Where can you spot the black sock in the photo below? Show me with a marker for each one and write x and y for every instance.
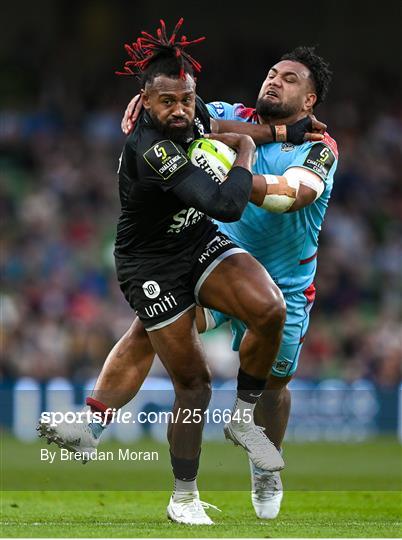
(185, 469)
(249, 388)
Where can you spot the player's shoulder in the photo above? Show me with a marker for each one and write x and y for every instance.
(219, 109)
(142, 124)
(235, 111)
(200, 104)
(327, 141)
(248, 114)
(144, 134)
(331, 143)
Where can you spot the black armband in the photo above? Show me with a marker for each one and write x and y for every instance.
(296, 131)
(224, 202)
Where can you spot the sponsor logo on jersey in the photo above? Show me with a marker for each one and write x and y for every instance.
(219, 108)
(287, 147)
(183, 219)
(151, 289)
(165, 158)
(213, 246)
(163, 305)
(320, 160)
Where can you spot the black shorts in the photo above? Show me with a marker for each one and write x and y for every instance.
(161, 288)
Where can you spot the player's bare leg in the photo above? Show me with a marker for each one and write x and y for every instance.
(125, 368)
(273, 409)
(128, 365)
(261, 341)
(272, 412)
(180, 350)
(241, 287)
(122, 375)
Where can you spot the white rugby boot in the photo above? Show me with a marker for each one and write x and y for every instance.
(261, 451)
(187, 508)
(266, 492)
(76, 437)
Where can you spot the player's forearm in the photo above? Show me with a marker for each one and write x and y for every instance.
(260, 133)
(274, 193)
(245, 154)
(305, 129)
(258, 190)
(224, 202)
(305, 197)
(288, 193)
(261, 190)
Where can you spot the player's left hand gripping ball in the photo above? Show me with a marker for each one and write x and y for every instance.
(214, 157)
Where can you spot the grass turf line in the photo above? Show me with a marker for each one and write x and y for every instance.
(359, 494)
(143, 514)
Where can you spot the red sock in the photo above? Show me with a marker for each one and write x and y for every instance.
(99, 407)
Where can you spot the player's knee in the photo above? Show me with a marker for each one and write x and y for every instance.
(194, 392)
(269, 314)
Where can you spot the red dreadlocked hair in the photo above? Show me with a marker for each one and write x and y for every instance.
(148, 47)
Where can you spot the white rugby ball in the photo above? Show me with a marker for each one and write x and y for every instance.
(214, 157)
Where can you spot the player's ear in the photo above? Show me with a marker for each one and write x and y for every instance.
(145, 98)
(310, 100)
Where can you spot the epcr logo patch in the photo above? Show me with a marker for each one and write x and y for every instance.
(151, 289)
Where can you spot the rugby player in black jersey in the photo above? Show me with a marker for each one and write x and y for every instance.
(170, 256)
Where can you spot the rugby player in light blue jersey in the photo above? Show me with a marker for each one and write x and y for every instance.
(284, 242)
(280, 229)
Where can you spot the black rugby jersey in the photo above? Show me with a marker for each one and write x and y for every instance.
(153, 220)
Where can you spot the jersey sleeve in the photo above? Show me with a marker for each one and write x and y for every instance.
(320, 158)
(165, 164)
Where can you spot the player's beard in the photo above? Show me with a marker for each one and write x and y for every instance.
(177, 134)
(268, 110)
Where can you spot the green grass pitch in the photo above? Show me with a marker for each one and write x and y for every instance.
(331, 490)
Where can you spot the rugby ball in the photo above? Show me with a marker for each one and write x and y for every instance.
(214, 157)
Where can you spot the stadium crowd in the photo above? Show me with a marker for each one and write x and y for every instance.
(61, 306)
(62, 310)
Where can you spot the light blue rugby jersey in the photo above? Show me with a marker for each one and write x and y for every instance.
(285, 244)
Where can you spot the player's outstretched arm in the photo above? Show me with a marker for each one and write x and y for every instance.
(296, 188)
(306, 129)
(293, 191)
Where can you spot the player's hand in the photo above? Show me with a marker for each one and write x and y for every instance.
(306, 129)
(131, 114)
(236, 141)
(317, 126)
